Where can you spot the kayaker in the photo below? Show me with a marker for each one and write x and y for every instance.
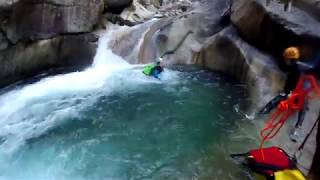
(154, 70)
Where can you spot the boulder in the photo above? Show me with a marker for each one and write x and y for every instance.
(43, 19)
(116, 6)
(115, 19)
(127, 43)
(137, 13)
(157, 36)
(142, 10)
(173, 8)
(272, 28)
(226, 52)
(210, 45)
(26, 60)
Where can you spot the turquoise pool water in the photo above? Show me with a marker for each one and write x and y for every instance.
(129, 127)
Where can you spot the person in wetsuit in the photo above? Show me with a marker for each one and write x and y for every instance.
(153, 70)
(294, 70)
(291, 56)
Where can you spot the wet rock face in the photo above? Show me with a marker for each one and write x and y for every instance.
(42, 19)
(137, 13)
(271, 28)
(210, 45)
(26, 60)
(37, 35)
(228, 53)
(204, 20)
(247, 49)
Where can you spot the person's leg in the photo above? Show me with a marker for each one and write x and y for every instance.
(297, 133)
(273, 104)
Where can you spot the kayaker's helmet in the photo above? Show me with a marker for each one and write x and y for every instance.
(291, 53)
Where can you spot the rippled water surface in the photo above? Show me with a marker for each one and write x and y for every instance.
(112, 122)
(181, 128)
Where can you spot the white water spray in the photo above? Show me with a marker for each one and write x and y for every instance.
(33, 110)
(63, 127)
(29, 112)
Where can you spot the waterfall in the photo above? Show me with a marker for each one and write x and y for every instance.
(104, 57)
(110, 121)
(32, 110)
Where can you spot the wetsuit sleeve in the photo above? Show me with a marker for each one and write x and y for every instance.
(293, 75)
(159, 68)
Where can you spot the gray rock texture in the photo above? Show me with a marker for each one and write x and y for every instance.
(273, 29)
(42, 19)
(26, 60)
(249, 48)
(242, 38)
(37, 35)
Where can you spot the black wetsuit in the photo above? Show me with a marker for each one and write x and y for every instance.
(294, 71)
(293, 75)
(159, 69)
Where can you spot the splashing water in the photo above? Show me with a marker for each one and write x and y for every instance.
(19, 107)
(112, 122)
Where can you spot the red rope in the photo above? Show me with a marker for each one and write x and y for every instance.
(287, 108)
(273, 126)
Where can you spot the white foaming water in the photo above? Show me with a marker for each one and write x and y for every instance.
(31, 111)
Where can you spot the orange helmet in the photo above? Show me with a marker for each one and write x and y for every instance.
(292, 53)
